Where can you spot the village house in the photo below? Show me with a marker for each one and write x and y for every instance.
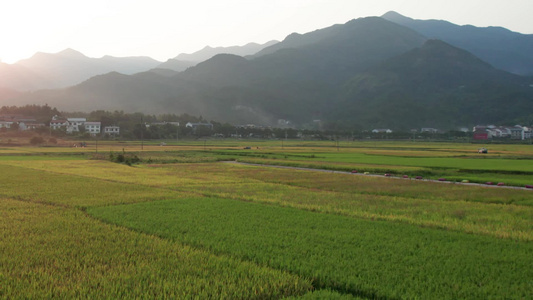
(29, 125)
(429, 130)
(247, 126)
(381, 131)
(58, 123)
(112, 130)
(93, 128)
(528, 134)
(23, 122)
(73, 124)
(163, 124)
(482, 132)
(5, 124)
(521, 132)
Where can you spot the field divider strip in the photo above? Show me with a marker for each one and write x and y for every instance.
(39, 202)
(377, 175)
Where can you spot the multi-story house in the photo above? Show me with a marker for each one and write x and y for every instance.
(73, 124)
(112, 130)
(93, 128)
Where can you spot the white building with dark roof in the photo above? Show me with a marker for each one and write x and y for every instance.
(73, 124)
(93, 128)
(112, 130)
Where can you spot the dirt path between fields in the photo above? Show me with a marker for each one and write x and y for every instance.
(382, 176)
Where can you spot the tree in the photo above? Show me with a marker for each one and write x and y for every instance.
(202, 131)
(36, 140)
(61, 131)
(14, 126)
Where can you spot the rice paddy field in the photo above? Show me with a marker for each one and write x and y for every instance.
(266, 220)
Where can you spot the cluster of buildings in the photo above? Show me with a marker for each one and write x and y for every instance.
(21, 122)
(482, 132)
(517, 132)
(422, 130)
(381, 130)
(75, 125)
(195, 126)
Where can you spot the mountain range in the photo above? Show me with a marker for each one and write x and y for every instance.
(70, 67)
(184, 60)
(388, 71)
(502, 48)
(66, 68)
(436, 85)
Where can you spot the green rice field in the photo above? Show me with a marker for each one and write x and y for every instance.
(195, 219)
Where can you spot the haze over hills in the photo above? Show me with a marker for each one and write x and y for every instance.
(176, 65)
(289, 84)
(70, 67)
(18, 77)
(367, 73)
(502, 48)
(184, 61)
(66, 68)
(208, 52)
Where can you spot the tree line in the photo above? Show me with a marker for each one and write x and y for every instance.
(139, 125)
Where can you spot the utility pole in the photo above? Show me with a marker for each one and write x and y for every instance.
(142, 140)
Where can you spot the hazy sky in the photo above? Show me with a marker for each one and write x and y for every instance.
(163, 29)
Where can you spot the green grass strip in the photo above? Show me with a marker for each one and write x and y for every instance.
(361, 257)
(41, 157)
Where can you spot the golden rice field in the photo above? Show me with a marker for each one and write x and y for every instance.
(76, 225)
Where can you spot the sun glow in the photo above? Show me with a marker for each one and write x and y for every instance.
(163, 29)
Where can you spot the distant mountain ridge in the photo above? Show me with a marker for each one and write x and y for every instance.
(367, 73)
(208, 52)
(184, 61)
(70, 67)
(66, 68)
(335, 53)
(502, 48)
(436, 85)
